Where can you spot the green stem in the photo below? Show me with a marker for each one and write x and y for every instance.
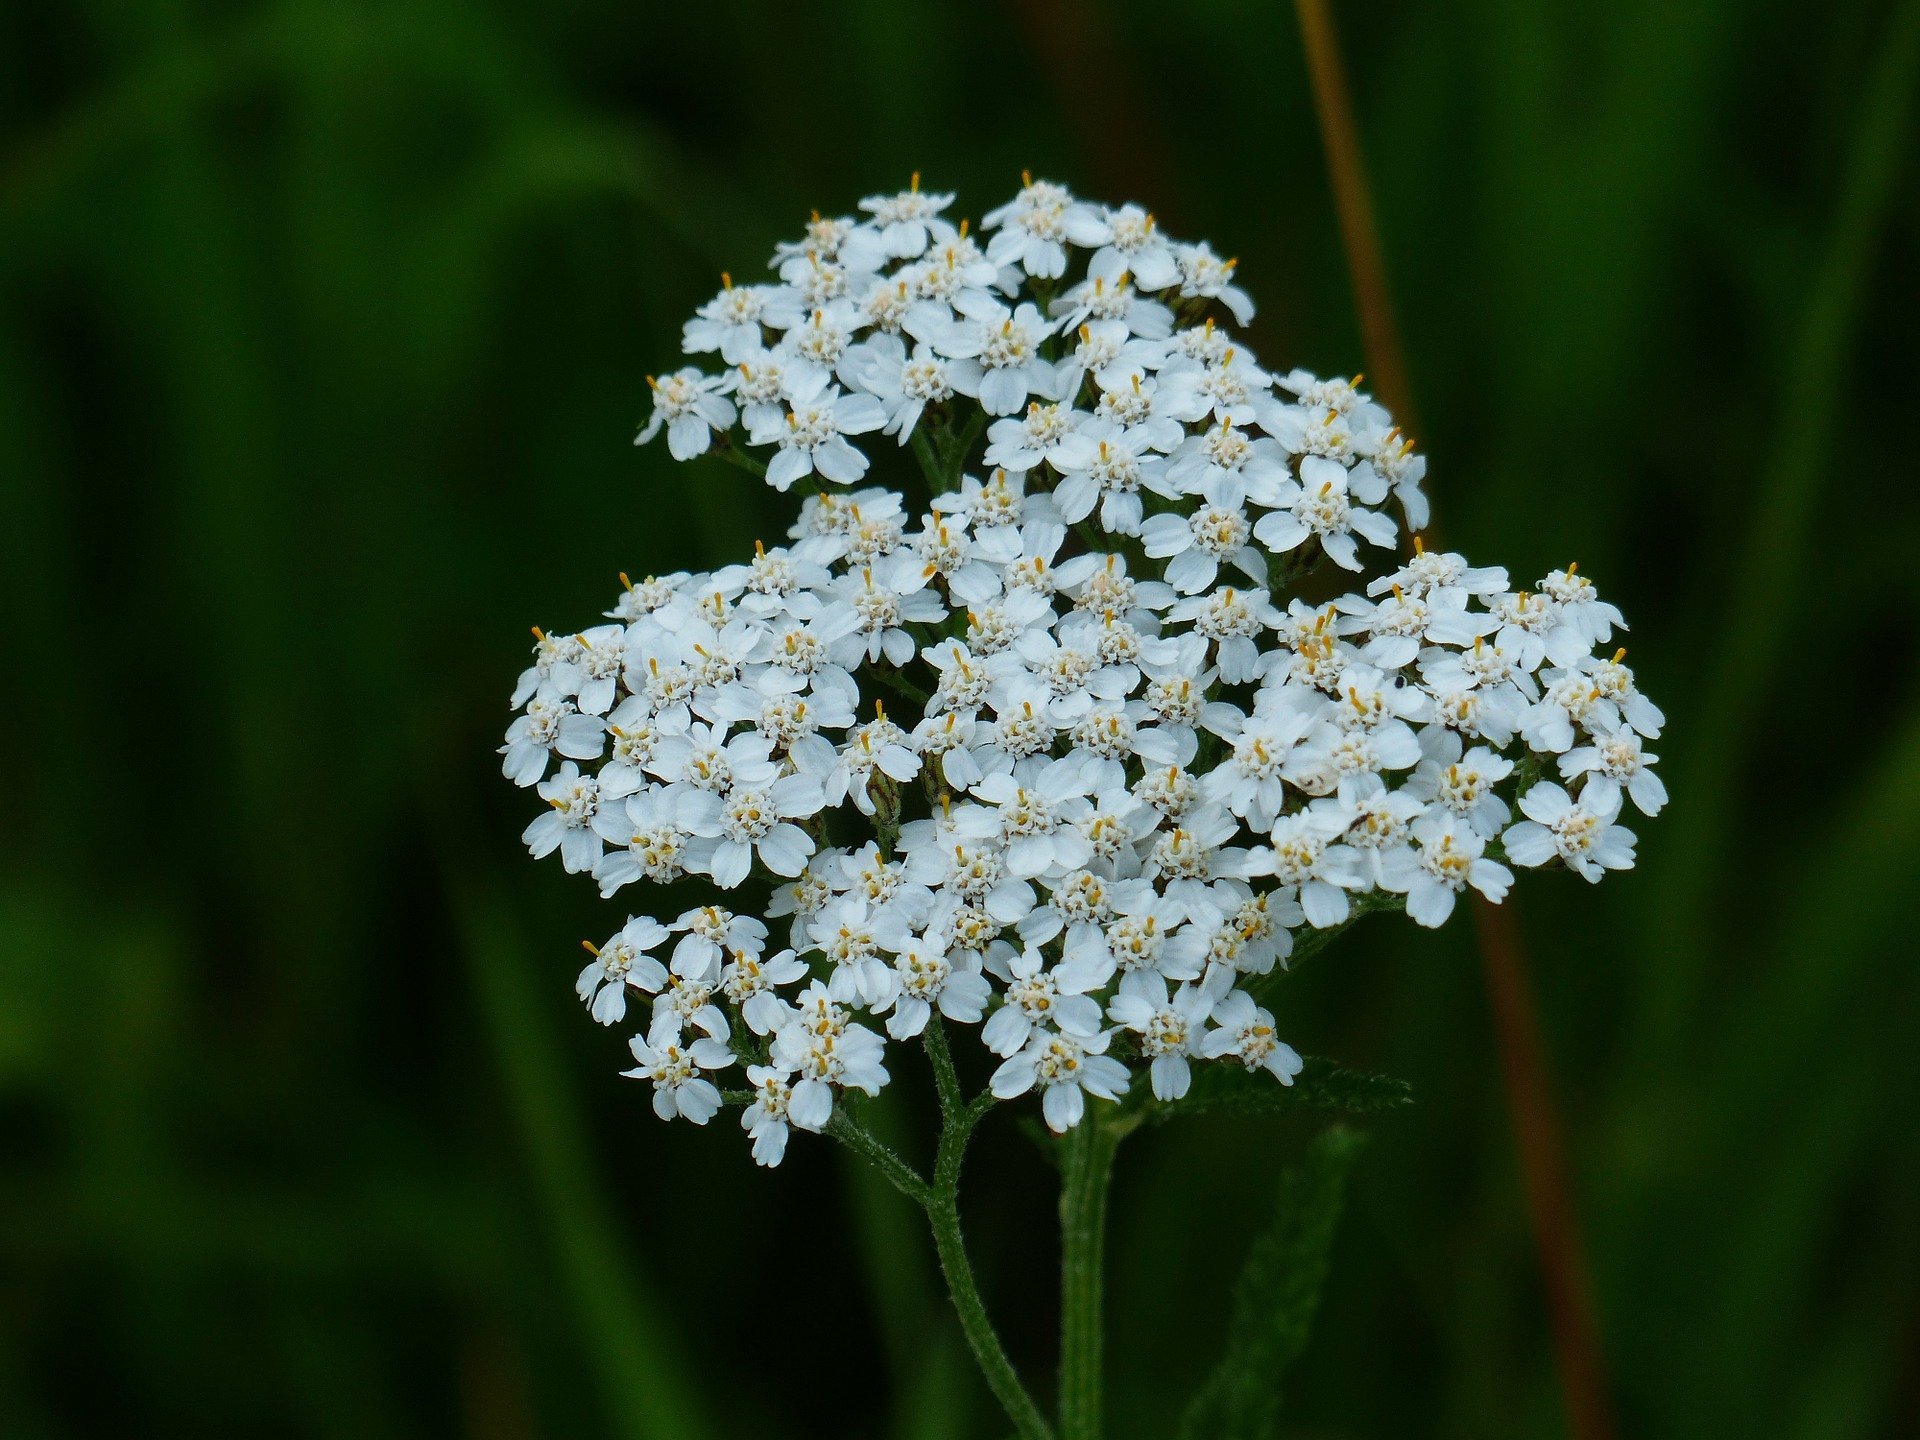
(923, 451)
(940, 1198)
(960, 446)
(943, 1214)
(1086, 1168)
(733, 455)
(942, 450)
(903, 1177)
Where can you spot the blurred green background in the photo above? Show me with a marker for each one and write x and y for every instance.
(323, 328)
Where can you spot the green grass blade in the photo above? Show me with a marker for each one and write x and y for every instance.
(642, 1367)
(1751, 639)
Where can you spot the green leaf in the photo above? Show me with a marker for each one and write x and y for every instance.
(1321, 1085)
(1277, 1295)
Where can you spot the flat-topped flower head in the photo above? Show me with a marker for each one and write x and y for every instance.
(1028, 736)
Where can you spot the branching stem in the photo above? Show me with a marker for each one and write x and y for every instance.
(940, 1199)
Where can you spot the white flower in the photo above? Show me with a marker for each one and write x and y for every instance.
(754, 817)
(1170, 1030)
(1068, 1069)
(1146, 939)
(1615, 763)
(549, 727)
(1584, 837)
(1036, 812)
(575, 824)
(680, 1086)
(1113, 298)
(1307, 852)
(691, 407)
(1102, 465)
(1020, 444)
(752, 984)
(1038, 224)
(885, 598)
(926, 979)
(850, 936)
(1249, 780)
(731, 322)
(1581, 607)
(1466, 788)
(905, 385)
(1448, 860)
(765, 1116)
(877, 746)
(1040, 997)
(659, 847)
(909, 221)
(1441, 576)
(995, 354)
(1317, 507)
(622, 961)
(999, 500)
(1200, 543)
(711, 933)
(1244, 1032)
(1381, 827)
(1230, 617)
(1193, 854)
(1135, 245)
(1203, 273)
(827, 1051)
(811, 437)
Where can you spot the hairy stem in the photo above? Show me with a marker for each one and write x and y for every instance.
(902, 1176)
(940, 1198)
(943, 1214)
(1086, 1168)
(733, 455)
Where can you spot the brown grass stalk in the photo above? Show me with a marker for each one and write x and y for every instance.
(1539, 1135)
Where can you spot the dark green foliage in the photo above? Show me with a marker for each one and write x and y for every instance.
(1276, 1296)
(1321, 1085)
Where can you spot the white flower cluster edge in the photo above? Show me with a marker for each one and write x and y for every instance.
(1060, 756)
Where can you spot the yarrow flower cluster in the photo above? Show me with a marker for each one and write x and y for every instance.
(1061, 755)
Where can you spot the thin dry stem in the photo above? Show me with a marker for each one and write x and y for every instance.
(1538, 1134)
